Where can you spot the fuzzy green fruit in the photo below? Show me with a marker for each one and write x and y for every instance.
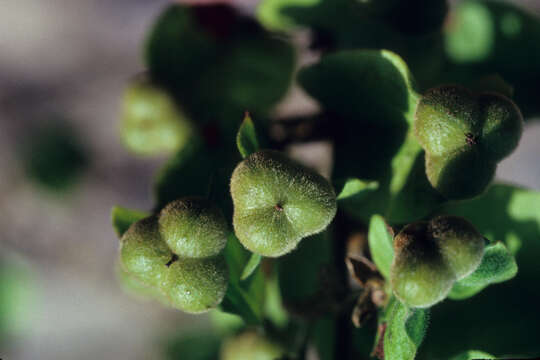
(193, 228)
(461, 245)
(277, 202)
(143, 253)
(196, 285)
(431, 256)
(419, 275)
(251, 346)
(464, 136)
(152, 123)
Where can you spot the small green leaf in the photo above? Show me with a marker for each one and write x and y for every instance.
(273, 307)
(497, 265)
(122, 218)
(246, 139)
(405, 331)
(380, 244)
(251, 265)
(356, 188)
(243, 298)
(473, 355)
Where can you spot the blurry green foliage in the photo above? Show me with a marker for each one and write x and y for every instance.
(193, 346)
(152, 124)
(53, 156)
(213, 60)
(17, 298)
(495, 37)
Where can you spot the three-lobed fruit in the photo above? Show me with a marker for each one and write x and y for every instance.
(277, 202)
(431, 256)
(152, 123)
(177, 253)
(464, 136)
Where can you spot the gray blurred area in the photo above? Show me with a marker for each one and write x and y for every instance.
(72, 59)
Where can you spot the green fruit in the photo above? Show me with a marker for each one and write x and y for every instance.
(193, 228)
(431, 256)
(143, 253)
(251, 346)
(196, 285)
(152, 123)
(461, 245)
(419, 275)
(277, 202)
(464, 136)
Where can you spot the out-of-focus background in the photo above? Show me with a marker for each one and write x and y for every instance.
(63, 67)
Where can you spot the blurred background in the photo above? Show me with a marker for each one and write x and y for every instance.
(63, 67)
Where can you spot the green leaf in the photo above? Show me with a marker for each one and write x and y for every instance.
(270, 13)
(323, 335)
(473, 355)
(251, 265)
(178, 49)
(246, 139)
(356, 188)
(405, 331)
(225, 323)
(381, 244)
(243, 298)
(497, 265)
(375, 86)
(300, 270)
(122, 218)
(273, 307)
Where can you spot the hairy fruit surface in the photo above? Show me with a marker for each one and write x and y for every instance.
(277, 202)
(196, 285)
(464, 136)
(193, 228)
(431, 256)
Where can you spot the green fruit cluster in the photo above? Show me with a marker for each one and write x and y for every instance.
(251, 345)
(431, 256)
(152, 123)
(178, 252)
(464, 136)
(277, 202)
